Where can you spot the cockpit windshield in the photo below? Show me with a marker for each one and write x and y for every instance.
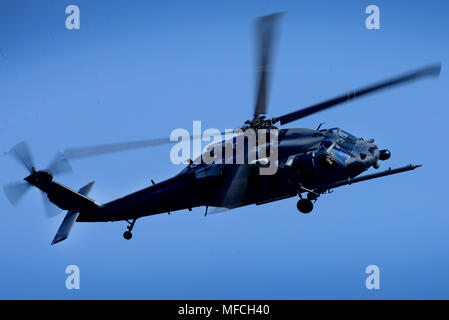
(343, 134)
(344, 145)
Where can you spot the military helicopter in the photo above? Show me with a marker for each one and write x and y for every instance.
(310, 163)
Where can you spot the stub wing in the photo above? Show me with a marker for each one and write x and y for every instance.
(369, 177)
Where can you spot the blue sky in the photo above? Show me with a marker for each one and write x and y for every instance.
(141, 69)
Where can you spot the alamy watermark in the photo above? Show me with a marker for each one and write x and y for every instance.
(373, 20)
(73, 20)
(373, 280)
(73, 279)
(237, 146)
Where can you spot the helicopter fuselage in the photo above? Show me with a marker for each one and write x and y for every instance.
(307, 160)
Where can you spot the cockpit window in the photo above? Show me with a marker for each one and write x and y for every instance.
(346, 135)
(348, 144)
(345, 144)
(341, 153)
(335, 130)
(343, 134)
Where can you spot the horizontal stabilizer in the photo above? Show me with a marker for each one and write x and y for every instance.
(70, 218)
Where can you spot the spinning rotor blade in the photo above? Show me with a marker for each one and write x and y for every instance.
(216, 210)
(236, 188)
(429, 71)
(15, 191)
(93, 151)
(21, 152)
(266, 36)
(86, 152)
(50, 209)
(60, 165)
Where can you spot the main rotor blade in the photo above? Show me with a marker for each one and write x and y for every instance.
(21, 152)
(15, 191)
(216, 210)
(265, 37)
(429, 71)
(234, 191)
(93, 151)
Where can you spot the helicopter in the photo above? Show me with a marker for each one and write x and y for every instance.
(309, 162)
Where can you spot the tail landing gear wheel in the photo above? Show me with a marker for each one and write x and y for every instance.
(127, 234)
(304, 205)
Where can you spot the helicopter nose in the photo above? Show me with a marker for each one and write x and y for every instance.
(374, 155)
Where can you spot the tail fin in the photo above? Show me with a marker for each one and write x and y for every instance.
(70, 218)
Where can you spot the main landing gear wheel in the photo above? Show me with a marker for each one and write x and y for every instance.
(304, 205)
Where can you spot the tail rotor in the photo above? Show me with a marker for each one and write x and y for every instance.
(16, 190)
